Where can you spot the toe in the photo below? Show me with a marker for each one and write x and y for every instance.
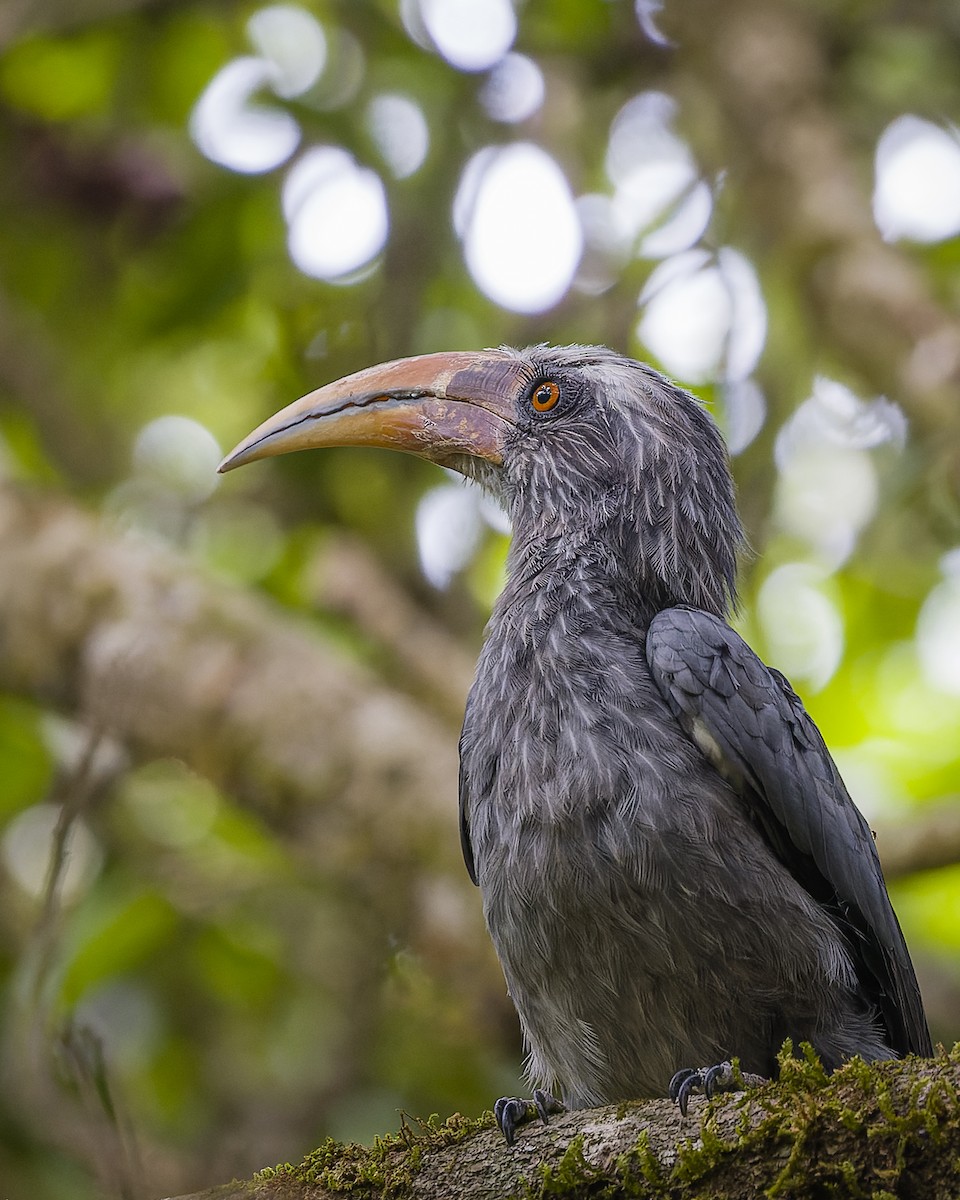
(546, 1105)
(510, 1112)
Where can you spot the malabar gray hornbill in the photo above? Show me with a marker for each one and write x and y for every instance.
(672, 871)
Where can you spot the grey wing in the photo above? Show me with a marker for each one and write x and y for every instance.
(465, 844)
(753, 728)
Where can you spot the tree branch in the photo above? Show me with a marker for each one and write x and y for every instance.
(349, 580)
(125, 635)
(930, 839)
(771, 122)
(887, 1128)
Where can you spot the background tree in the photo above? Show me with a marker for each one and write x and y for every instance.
(232, 915)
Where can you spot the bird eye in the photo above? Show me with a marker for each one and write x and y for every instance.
(545, 395)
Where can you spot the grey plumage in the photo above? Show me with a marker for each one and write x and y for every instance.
(671, 869)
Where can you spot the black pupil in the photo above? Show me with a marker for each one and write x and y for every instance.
(544, 394)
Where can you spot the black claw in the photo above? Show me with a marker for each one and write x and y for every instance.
(683, 1092)
(677, 1082)
(711, 1079)
(509, 1112)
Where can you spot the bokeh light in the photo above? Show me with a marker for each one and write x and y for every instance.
(227, 125)
(399, 128)
(648, 12)
(835, 415)
(826, 496)
(938, 629)
(450, 521)
(704, 315)
(657, 192)
(744, 412)
(801, 624)
(171, 805)
(472, 35)
(827, 489)
(181, 455)
(515, 89)
(26, 850)
(522, 238)
(236, 133)
(336, 213)
(682, 223)
(292, 41)
(917, 189)
(449, 526)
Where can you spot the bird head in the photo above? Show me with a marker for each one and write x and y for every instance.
(579, 445)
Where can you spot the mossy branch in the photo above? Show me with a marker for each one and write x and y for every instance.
(873, 1130)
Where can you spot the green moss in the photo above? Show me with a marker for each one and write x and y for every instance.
(268, 1173)
(783, 1139)
(697, 1159)
(386, 1168)
(807, 1104)
(640, 1168)
(572, 1176)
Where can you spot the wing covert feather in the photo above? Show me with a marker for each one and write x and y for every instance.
(754, 729)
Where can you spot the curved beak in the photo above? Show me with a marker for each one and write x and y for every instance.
(438, 406)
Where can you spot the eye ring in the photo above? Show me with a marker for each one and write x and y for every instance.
(544, 396)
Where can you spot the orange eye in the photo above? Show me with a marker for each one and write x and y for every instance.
(545, 396)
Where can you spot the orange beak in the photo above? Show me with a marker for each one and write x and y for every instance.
(442, 407)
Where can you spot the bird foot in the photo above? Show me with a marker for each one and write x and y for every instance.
(721, 1077)
(513, 1111)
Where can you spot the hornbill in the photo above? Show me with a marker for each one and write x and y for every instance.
(671, 868)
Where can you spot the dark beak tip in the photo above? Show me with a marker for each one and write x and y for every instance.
(239, 456)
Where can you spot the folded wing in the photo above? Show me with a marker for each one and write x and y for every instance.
(753, 728)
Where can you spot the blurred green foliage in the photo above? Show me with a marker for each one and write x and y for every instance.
(247, 1005)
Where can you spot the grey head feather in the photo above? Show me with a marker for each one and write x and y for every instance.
(627, 461)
